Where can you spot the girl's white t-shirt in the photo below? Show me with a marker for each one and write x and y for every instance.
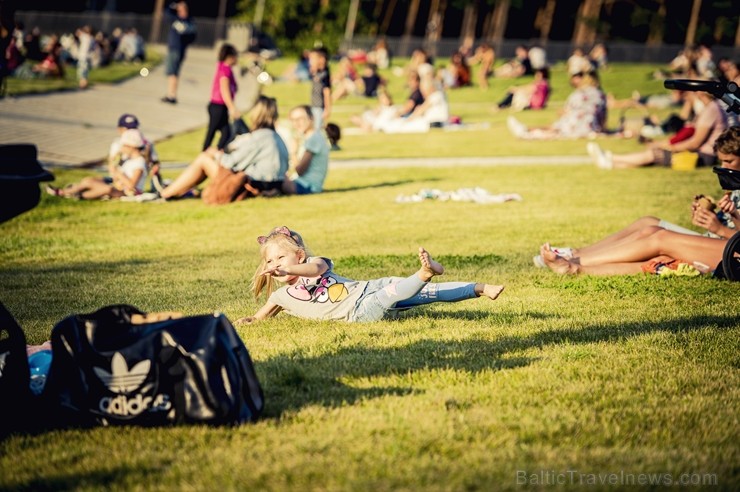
(325, 297)
(130, 166)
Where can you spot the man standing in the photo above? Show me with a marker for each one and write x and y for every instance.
(182, 34)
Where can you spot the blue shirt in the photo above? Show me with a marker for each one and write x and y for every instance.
(314, 177)
(182, 31)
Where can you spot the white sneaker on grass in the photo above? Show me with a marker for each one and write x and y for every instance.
(603, 160)
(606, 160)
(593, 149)
(516, 127)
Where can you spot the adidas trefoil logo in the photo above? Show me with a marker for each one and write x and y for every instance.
(121, 379)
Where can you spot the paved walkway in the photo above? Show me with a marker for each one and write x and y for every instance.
(76, 127)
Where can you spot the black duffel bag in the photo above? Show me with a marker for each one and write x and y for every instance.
(108, 368)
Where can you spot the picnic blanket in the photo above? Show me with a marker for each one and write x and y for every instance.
(477, 195)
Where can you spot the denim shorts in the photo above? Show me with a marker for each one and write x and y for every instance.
(173, 62)
(301, 189)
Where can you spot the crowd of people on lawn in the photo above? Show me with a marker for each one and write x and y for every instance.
(36, 55)
(272, 156)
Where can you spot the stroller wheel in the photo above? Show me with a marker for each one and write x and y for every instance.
(731, 258)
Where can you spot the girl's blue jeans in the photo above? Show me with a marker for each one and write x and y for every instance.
(390, 294)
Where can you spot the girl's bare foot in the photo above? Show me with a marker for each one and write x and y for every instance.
(488, 290)
(429, 267)
(557, 263)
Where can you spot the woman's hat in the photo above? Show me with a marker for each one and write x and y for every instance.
(132, 138)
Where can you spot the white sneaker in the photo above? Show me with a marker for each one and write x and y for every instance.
(592, 148)
(651, 132)
(539, 262)
(607, 160)
(516, 127)
(143, 197)
(603, 159)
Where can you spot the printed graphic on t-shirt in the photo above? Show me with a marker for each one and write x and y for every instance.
(319, 289)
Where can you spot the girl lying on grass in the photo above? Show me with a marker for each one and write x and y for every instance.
(312, 290)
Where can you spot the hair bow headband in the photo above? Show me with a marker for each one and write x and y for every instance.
(278, 230)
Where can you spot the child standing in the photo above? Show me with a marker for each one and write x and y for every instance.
(314, 291)
(222, 107)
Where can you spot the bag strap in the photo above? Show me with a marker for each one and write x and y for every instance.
(15, 376)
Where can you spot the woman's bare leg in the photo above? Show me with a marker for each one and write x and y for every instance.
(88, 188)
(562, 266)
(635, 159)
(661, 242)
(202, 167)
(626, 233)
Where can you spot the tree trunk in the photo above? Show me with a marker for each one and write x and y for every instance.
(693, 23)
(156, 21)
(388, 16)
(657, 26)
(411, 18)
(586, 22)
(434, 25)
(470, 19)
(409, 28)
(543, 21)
(500, 18)
(349, 31)
(378, 8)
(433, 28)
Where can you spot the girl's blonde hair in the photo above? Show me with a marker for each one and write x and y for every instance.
(284, 238)
(265, 113)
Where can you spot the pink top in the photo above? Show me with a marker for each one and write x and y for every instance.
(222, 70)
(538, 100)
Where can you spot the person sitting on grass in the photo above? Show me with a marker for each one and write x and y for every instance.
(313, 291)
(529, 96)
(583, 115)
(433, 112)
(50, 67)
(129, 121)
(518, 66)
(707, 125)
(260, 154)
(311, 154)
(650, 240)
(128, 179)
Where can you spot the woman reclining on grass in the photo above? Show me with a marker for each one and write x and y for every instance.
(631, 250)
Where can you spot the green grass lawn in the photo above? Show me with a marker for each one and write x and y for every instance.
(577, 378)
(484, 132)
(115, 72)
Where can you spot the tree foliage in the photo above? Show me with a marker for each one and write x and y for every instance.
(302, 24)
